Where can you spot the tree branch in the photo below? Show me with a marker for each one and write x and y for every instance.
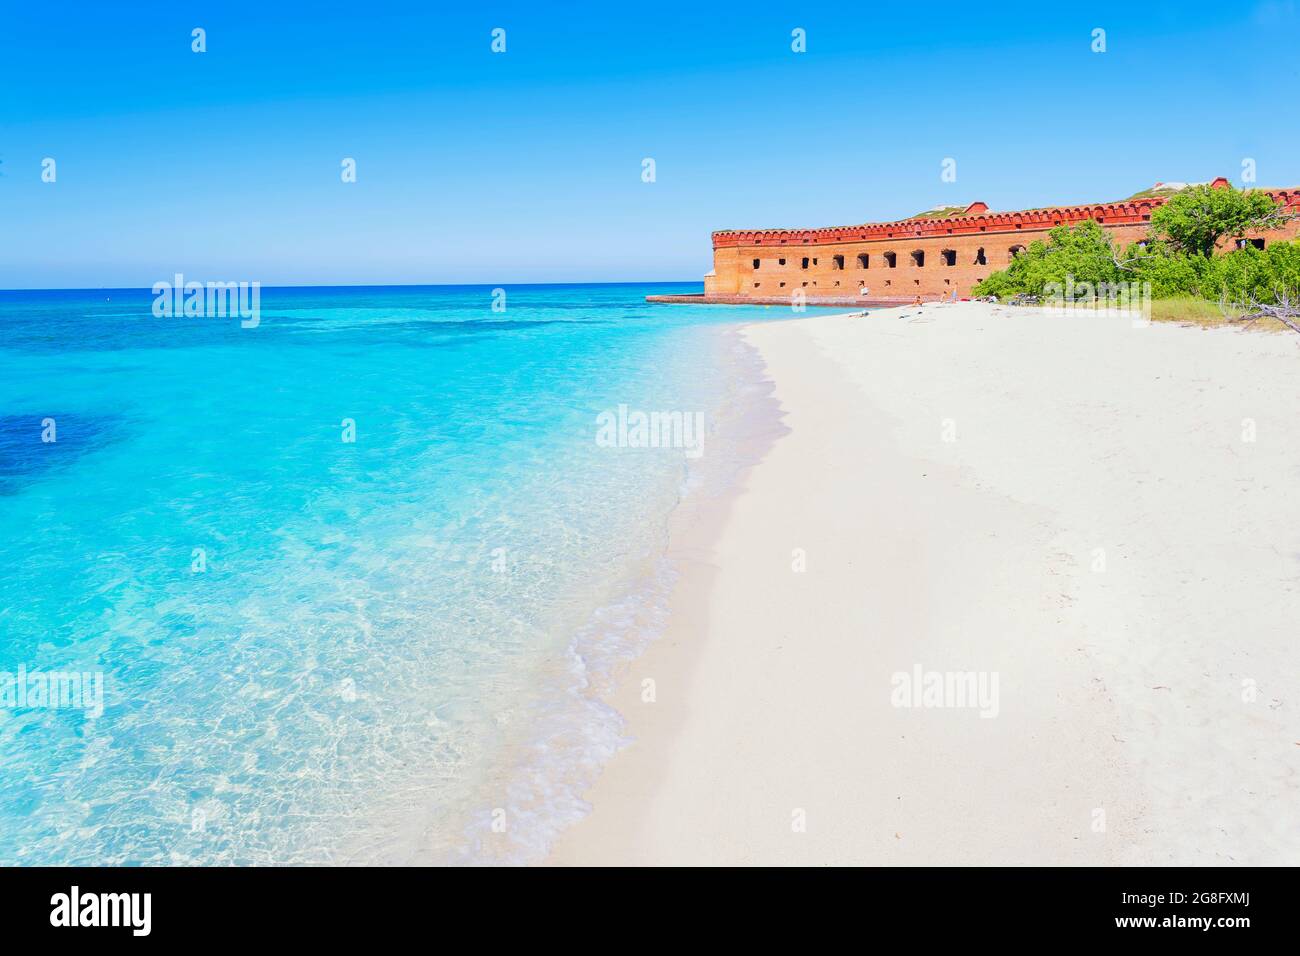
(1285, 310)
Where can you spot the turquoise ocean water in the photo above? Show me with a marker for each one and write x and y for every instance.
(317, 650)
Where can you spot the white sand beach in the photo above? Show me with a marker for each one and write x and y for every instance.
(1103, 518)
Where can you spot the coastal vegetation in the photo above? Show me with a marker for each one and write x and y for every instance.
(940, 212)
(1180, 259)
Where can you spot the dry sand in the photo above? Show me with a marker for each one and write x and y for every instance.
(1106, 517)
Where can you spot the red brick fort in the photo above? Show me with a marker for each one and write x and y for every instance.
(932, 255)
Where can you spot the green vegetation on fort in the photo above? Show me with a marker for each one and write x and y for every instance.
(1161, 191)
(1179, 259)
(940, 212)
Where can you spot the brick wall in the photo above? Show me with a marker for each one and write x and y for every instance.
(932, 258)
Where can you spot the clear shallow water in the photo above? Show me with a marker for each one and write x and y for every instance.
(389, 639)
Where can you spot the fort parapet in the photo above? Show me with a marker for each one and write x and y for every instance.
(932, 255)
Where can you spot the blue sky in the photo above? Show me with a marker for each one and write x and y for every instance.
(526, 166)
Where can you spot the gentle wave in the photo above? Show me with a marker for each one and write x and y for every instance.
(350, 677)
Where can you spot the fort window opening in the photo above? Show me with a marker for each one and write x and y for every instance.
(918, 258)
(1014, 251)
(837, 262)
(980, 258)
(891, 260)
(864, 261)
(781, 261)
(805, 262)
(1246, 243)
(756, 261)
(949, 257)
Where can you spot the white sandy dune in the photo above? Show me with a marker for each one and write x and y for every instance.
(1103, 518)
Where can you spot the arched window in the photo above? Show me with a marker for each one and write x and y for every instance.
(864, 261)
(918, 258)
(1014, 251)
(837, 262)
(891, 260)
(980, 258)
(949, 257)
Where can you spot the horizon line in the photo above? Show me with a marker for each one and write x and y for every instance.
(366, 285)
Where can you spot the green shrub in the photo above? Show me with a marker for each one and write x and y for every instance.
(1250, 273)
(1085, 253)
(1170, 273)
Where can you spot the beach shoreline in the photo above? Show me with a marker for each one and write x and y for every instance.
(970, 490)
